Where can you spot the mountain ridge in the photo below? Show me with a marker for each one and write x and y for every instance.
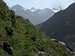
(36, 17)
(61, 25)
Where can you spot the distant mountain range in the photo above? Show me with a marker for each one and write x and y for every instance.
(36, 16)
(61, 26)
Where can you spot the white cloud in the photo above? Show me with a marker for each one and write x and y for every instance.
(40, 3)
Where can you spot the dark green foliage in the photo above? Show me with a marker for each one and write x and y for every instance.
(6, 47)
(25, 39)
(9, 31)
(12, 16)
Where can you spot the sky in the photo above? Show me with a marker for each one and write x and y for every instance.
(40, 4)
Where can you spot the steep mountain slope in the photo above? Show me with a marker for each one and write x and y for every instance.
(62, 26)
(19, 10)
(36, 16)
(23, 38)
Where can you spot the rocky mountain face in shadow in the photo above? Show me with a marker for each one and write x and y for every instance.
(62, 26)
(36, 16)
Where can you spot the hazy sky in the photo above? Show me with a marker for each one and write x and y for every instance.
(40, 3)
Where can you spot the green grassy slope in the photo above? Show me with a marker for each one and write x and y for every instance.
(25, 39)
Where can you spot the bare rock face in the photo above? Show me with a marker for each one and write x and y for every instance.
(41, 53)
